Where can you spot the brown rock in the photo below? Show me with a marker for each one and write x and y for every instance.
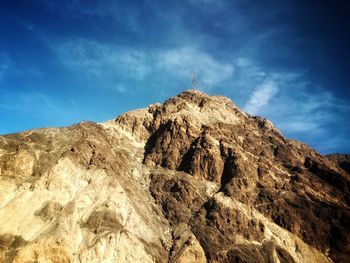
(342, 160)
(191, 180)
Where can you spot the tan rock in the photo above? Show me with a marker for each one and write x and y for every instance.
(191, 180)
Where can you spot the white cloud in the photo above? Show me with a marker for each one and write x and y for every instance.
(182, 61)
(331, 145)
(295, 105)
(261, 97)
(100, 60)
(96, 59)
(300, 125)
(301, 111)
(243, 62)
(290, 100)
(124, 14)
(121, 89)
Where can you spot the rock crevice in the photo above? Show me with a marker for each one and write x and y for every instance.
(194, 179)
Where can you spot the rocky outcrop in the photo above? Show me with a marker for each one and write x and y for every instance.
(191, 180)
(342, 160)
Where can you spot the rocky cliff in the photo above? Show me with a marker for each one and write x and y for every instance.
(343, 160)
(191, 180)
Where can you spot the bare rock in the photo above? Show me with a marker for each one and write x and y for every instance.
(342, 160)
(191, 180)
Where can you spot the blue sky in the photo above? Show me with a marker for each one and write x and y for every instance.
(62, 62)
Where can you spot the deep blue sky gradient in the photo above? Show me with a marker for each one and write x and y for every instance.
(62, 62)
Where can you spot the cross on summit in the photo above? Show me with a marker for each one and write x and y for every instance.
(194, 80)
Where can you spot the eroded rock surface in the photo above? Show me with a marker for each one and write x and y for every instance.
(343, 161)
(191, 180)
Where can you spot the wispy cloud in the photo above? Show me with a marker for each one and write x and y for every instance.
(295, 105)
(333, 143)
(261, 96)
(288, 98)
(121, 89)
(99, 60)
(121, 12)
(316, 117)
(11, 67)
(282, 96)
(182, 61)
(209, 5)
(251, 52)
(299, 110)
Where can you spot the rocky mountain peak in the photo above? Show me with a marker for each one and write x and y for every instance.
(193, 179)
(200, 99)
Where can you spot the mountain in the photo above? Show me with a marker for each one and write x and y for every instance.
(343, 160)
(191, 180)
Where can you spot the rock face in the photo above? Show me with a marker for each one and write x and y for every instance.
(191, 180)
(343, 161)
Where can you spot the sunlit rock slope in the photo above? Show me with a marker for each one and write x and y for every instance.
(191, 180)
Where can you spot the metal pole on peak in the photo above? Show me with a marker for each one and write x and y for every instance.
(194, 80)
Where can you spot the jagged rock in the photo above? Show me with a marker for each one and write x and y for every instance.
(343, 161)
(191, 180)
